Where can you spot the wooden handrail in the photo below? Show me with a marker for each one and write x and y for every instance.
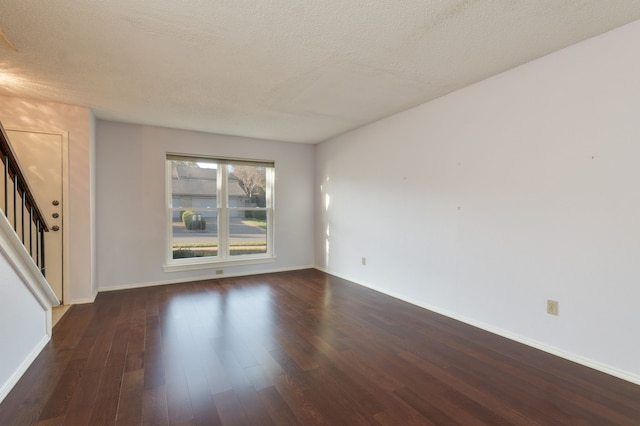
(16, 169)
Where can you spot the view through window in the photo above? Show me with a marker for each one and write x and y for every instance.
(219, 209)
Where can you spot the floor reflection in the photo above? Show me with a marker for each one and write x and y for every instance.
(222, 334)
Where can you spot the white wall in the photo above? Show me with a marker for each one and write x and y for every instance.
(486, 202)
(77, 121)
(24, 327)
(130, 200)
(25, 317)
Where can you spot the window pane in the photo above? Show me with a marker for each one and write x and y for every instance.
(194, 233)
(193, 185)
(247, 232)
(247, 186)
(197, 207)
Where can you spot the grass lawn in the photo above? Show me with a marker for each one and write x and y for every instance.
(182, 251)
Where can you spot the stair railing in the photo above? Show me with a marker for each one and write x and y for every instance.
(19, 205)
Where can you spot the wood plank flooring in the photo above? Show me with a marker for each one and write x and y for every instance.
(297, 348)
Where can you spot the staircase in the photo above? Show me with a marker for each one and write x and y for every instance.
(25, 319)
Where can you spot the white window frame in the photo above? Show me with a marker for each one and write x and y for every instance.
(224, 258)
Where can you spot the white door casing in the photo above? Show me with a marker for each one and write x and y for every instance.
(43, 156)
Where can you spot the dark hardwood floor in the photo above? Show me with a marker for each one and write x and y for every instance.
(297, 348)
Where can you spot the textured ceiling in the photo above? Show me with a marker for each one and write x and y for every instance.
(291, 70)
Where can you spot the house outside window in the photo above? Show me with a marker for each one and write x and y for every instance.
(219, 210)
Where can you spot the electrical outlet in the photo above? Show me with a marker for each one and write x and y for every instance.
(364, 261)
(219, 271)
(552, 307)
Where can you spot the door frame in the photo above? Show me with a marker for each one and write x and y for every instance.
(65, 201)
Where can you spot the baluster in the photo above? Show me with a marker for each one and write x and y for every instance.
(6, 185)
(43, 267)
(38, 243)
(31, 229)
(24, 206)
(15, 202)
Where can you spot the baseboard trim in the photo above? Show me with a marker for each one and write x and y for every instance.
(621, 374)
(200, 278)
(22, 368)
(85, 300)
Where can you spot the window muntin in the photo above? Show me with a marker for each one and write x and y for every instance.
(219, 209)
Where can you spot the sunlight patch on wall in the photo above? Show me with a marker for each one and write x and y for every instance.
(12, 81)
(327, 243)
(7, 79)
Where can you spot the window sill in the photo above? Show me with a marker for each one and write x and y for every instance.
(191, 265)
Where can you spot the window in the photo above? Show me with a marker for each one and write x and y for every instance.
(219, 210)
